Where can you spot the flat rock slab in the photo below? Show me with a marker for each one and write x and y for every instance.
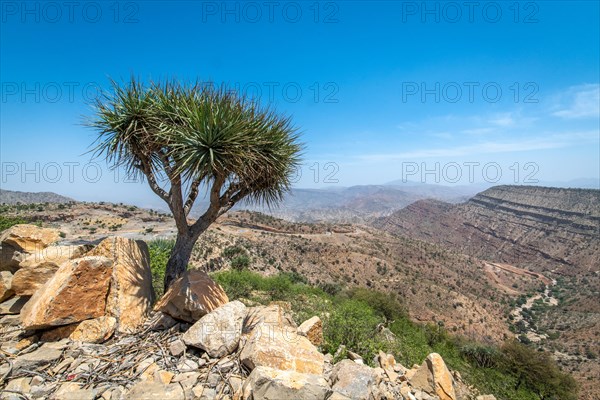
(13, 306)
(42, 356)
(145, 390)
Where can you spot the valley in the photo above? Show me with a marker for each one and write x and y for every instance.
(510, 262)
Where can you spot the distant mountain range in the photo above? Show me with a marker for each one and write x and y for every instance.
(14, 197)
(538, 227)
(359, 203)
(354, 204)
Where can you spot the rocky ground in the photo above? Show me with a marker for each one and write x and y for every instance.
(89, 331)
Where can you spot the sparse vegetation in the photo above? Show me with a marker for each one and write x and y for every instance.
(7, 222)
(352, 318)
(159, 250)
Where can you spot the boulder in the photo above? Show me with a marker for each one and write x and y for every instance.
(77, 291)
(96, 330)
(192, 296)
(434, 377)
(37, 268)
(10, 258)
(274, 314)
(313, 329)
(281, 348)
(486, 397)
(29, 238)
(148, 390)
(272, 384)
(353, 380)
(218, 332)
(6, 290)
(131, 294)
(13, 305)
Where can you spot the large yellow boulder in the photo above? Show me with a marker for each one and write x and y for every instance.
(29, 238)
(131, 295)
(77, 291)
(35, 269)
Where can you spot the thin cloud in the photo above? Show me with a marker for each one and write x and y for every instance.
(540, 143)
(580, 102)
(478, 131)
(503, 120)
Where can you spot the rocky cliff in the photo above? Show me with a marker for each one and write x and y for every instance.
(543, 229)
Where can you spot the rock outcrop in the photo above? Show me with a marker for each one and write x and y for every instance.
(16, 244)
(111, 286)
(27, 238)
(434, 377)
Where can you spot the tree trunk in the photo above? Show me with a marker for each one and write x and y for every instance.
(180, 257)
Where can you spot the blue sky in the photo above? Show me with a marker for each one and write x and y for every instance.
(387, 90)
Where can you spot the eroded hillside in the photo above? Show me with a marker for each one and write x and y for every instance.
(551, 231)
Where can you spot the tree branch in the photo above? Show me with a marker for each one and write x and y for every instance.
(191, 197)
(211, 214)
(232, 195)
(177, 205)
(147, 171)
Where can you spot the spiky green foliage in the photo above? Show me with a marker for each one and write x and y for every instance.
(198, 133)
(196, 136)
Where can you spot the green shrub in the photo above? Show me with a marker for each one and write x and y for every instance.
(7, 222)
(232, 251)
(386, 304)
(538, 371)
(331, 288)
(160, 250)
(435, 334)
(238, 284)
(295, 277)
(279, 286)
(353, 323)
(480, 355)
(240, 262)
